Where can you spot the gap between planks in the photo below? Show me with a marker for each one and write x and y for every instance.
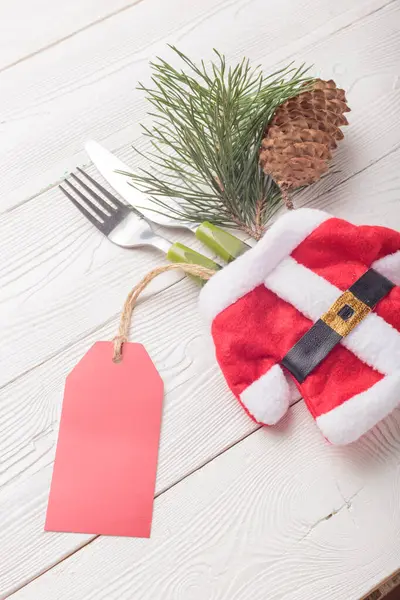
(70, 35)
(201, 465)
(166, 490)
(339, 503)
(369, 164)
(89, 333)
(324, 31)
(167, 286)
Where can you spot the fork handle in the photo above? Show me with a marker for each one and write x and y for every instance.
(224, 244)
(178, 253)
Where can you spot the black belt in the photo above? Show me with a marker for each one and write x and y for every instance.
(345, 314)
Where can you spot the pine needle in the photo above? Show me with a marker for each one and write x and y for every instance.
(208, 123)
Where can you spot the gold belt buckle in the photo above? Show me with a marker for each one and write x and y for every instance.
(345, 314)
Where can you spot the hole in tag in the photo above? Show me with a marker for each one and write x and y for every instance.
(106, 459)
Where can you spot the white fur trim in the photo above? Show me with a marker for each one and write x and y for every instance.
(267, 398)
(347, 422)
(373, 341)
(389, 266)
(249, 270)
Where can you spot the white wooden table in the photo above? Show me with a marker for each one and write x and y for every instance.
(241, 513)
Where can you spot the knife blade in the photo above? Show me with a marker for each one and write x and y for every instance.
(224, 244)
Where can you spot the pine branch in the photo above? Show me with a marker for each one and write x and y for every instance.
(208, 123)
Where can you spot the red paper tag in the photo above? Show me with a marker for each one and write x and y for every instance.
(106, 459)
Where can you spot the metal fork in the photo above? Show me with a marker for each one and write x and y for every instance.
(124, 225)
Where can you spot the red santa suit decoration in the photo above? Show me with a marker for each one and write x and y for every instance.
(316, 302)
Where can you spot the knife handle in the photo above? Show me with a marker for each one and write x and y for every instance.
(224, 244)
(178, 253)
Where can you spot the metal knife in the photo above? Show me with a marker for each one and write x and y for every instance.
(224, 244)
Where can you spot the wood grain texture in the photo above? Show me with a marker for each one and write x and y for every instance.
(55, 265)
(200, 420)
(371, 196)
(61, 289)
(48, 105)
(27, 28)
(44, 262)
(274, 517)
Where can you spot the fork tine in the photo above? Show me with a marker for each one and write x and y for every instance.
(101, 213)
(106, 205)
(83, 210)
(102, 189)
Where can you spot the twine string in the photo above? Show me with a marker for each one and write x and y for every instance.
(130, 302)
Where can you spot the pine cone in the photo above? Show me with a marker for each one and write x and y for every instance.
(301, 135)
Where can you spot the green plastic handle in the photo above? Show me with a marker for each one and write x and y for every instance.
(178, 253)
(224, 244)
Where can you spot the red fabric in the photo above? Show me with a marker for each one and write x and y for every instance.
(341, 252)
(346, 248)
(338, 378)
(256, 332)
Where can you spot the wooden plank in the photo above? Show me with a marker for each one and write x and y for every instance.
(49, 104)
(81, 266)
(56, 292)
(370, 197)
(29, 27)
(31, 271)
(272, 517)
(55, 268)
(201, 419)
(388, 589)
